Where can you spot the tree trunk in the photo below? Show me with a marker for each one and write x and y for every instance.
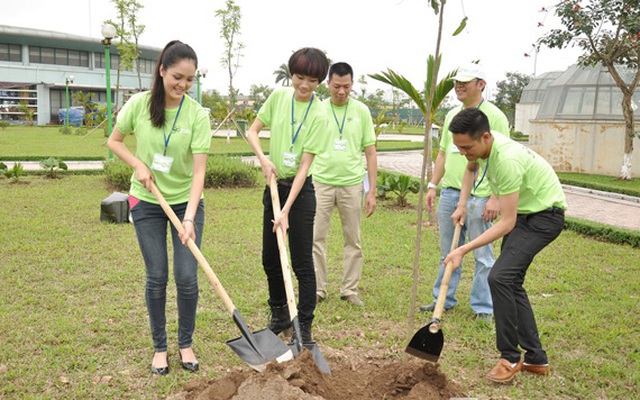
(625, 170)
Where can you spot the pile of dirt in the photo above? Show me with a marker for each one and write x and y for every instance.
(300, 379)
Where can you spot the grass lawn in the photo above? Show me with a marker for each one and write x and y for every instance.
(73, 321)
(24, 143)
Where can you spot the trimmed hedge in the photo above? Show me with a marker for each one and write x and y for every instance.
(603, 232)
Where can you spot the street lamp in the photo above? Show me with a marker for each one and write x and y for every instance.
(200, 73)
(108, 32)
(67, 81)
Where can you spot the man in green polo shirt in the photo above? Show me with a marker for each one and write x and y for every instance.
(338, 174)
(532, 206)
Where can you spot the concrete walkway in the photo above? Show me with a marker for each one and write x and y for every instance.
(593, 205)
(603, 207)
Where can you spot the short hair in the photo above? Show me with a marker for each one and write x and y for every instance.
(340, 69)
(470, 121)
(309, 61)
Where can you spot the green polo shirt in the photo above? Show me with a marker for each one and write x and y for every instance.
(306, 134)
(511, 167)
(350, 130)
(455, 163)
(191, 135)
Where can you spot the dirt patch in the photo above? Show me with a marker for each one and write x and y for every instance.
(300, 379)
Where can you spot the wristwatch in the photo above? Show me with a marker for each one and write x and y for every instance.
(431, 186)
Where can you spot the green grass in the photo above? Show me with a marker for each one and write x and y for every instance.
(73, 321)
(601, 182)
(20, 143)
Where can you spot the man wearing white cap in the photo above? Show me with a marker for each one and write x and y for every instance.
(482, 206)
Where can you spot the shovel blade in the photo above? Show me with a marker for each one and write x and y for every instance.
(425, 344)
(296, 345)
(260, 348)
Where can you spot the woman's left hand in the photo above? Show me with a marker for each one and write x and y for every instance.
(189, 231)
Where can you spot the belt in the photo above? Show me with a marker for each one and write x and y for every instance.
(289, 181)
(554, 210)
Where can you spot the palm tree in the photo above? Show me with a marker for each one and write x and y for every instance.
(283, 74)
(440, 91)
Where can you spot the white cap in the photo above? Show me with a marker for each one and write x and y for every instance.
(469, 72)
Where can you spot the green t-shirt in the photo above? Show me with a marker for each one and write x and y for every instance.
(455, 163)
(340, 162)
(192, 135)
(512, 167)
(288, 140)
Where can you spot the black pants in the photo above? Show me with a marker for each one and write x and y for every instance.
(300, 241)
(514, 319)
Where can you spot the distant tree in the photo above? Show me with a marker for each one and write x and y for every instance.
(509, 92)
(258, 94)
(230, 18)
(283, 75)
(362, 81)
(322, 92)
(608, 31)
(136, 30)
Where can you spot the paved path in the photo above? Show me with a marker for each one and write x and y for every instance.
(606, 208)
(603, 207)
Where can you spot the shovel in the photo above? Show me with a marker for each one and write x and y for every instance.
(296, 340)
(256, 348)
(427, 342)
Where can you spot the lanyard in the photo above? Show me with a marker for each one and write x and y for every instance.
(295, 136)
(167, 138)
(475, 171)
(340, 126)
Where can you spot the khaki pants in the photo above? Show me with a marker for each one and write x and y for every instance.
(348, 200)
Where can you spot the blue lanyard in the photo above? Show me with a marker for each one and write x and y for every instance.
(167, 138)
(340, 126)
(294, 137)
(475, 171)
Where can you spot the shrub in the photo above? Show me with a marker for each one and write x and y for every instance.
(229, 171)
(4, 124)
(118, 174)
(51, 165)
(222, 171)
(399, 184)
(15, 173)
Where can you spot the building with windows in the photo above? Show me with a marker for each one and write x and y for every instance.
(577, 124)
(37, 65)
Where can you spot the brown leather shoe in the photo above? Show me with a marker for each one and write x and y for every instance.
(353, 299)
(503, 371)
(536, 368)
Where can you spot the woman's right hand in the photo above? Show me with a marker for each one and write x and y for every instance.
(268, 168)
(144, 176)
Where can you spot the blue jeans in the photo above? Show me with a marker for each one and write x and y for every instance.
(300, 240)
(150, 223)
(475, 226)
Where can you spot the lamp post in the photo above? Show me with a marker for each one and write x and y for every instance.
(67, 81)
(200, 73)
(108, 32)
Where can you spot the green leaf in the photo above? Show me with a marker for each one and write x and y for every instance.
(463, 24)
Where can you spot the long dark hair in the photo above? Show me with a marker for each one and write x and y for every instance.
(174, 52)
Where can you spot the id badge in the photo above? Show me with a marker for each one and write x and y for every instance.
(162, 163)
(340, 144)
(289, 159)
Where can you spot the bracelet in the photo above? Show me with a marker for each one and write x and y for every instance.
(188, 220)
(431, 186)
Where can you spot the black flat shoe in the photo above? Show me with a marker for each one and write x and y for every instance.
(189, 366)
(160, 371)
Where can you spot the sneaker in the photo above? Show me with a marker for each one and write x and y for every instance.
(353, 299)
(319, 299)
(430, 307)
(485, 318)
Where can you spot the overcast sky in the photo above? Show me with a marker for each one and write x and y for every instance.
(371, 35)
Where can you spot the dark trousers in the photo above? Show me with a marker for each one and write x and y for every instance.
(300, 243)
(514, 319)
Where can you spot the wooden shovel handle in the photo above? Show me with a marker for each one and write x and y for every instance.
(446, 278)
(194, 249)
(282, 247)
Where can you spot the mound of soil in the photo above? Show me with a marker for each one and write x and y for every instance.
(300, 379)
